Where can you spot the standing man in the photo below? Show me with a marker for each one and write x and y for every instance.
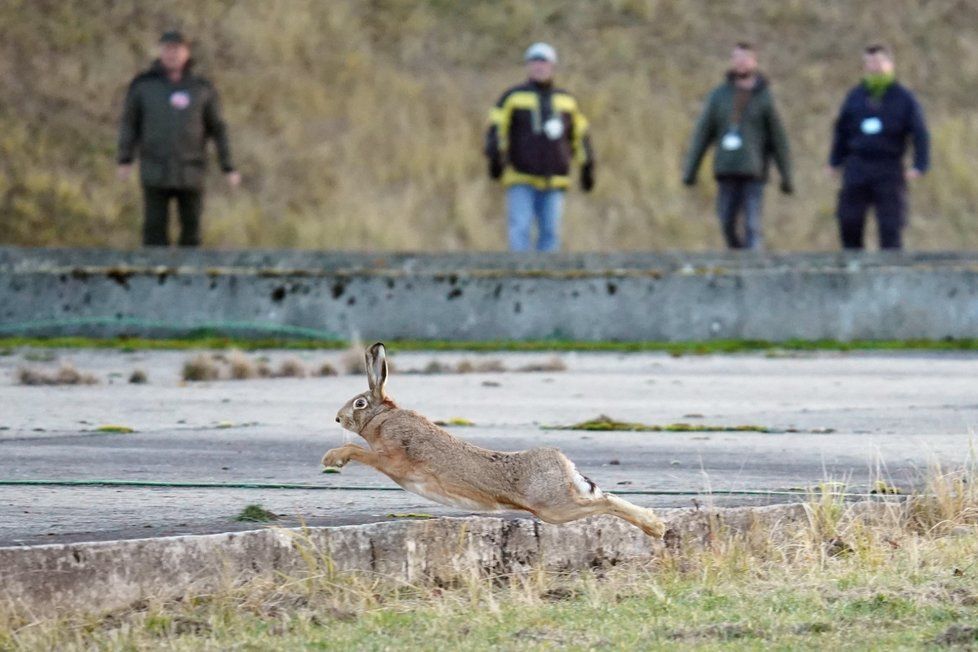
(535, 131)
(877, 118)
(741, 117)
(169, 115)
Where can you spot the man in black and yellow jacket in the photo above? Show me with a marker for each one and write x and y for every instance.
(536, 132)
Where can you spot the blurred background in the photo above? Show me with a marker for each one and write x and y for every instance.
(358, 124)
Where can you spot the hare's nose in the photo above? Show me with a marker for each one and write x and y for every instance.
(337, 419)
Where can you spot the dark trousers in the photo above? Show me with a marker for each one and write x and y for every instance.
(156, 216)
(738, 196)
(888, 196)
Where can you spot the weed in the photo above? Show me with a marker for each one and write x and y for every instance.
(138, 377)
(456, 421)
(553, 363)
(606, 423)
(352, 361)
(66, 374)
(201, 367)
(292, 368)
(255, 513)
(326, 369)
(241, 366)
(114, 428)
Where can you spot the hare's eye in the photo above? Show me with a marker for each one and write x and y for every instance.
(360, 403)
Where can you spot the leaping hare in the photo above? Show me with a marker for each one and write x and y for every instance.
(426, 460)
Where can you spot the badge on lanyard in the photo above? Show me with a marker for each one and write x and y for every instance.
(180, 100)
(871, 126)
(731, 140)
(554, 128)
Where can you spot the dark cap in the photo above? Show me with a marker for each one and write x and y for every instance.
(173, 36)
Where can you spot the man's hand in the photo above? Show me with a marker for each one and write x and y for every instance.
(123, 172)
(233, 178)
(833, 173)
(495, 167)
(913, 174)
(587, 177)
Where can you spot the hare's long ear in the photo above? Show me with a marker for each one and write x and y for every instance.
(376, 357)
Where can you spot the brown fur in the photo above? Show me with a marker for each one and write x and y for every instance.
(429, 461)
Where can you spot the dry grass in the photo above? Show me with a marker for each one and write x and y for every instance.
(480, 366)
(201, 367)
(292, 368)
(326, 369)
(465, 366)
(372, 114)
(66, 374)
(852, 578)
(352, 360)
(241, 366)
(553, 363)
(237, 365)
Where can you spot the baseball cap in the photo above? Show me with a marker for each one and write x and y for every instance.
(173, 36)
(541, 52)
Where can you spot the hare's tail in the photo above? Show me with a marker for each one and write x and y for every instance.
(586, 485)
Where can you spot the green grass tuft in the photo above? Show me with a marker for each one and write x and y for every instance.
(255, 514)
(456, 421)
(122, 430)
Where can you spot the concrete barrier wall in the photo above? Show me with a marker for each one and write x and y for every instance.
(43, 580)
(664, 297)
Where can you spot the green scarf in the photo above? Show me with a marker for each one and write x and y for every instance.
(877, 83)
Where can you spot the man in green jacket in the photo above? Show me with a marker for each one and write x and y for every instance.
(741, 118)
(169, 115)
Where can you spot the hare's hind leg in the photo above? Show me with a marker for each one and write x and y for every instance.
(586, 499)
(642, 517)
(578, 507)
(573, 495)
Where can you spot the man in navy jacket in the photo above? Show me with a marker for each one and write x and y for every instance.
(877, 119)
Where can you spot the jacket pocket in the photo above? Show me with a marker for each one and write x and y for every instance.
(192, 173)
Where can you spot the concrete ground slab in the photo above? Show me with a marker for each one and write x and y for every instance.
(859, 416)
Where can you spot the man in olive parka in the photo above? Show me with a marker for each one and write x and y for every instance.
(740, 117)
(170, 113)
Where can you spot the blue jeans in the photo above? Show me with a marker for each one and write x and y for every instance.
(526, 203)
(736, 195)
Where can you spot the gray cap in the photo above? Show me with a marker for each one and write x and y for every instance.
(540, 52)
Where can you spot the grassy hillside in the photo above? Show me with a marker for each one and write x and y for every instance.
(358, 124)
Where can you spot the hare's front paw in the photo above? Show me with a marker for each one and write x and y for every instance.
(336, 457)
